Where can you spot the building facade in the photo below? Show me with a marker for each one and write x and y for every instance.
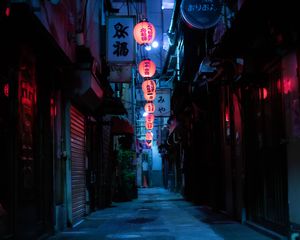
(57, 103)
(237, 121)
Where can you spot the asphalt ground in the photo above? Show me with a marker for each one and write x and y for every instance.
(159, 214)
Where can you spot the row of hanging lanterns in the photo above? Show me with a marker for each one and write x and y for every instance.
(144, 34)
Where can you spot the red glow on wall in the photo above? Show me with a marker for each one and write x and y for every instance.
(227, 123)
(7, 12)
(6, 90)
(227, 114)
(287, 86)
(28, 95)
(263, 93)
(52, 108)
(278, 84)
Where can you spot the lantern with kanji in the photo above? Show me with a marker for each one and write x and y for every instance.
(149, 117)
(150, 96)
(147, 68)
(149, 135)
(149, 107)
(144, 32)
(149, 125)
(148, 86)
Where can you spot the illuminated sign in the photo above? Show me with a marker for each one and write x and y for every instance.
(201, 14)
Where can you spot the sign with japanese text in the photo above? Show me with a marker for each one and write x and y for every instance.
(201, 14)
(162, 102)
(120, 41)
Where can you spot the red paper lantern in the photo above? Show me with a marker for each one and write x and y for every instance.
(144, 32)
(149, 135)
(149, 125)
(150, 117)
(150, 96)
(149, 107)
(148, 143)
(148, 86)
(147, 68)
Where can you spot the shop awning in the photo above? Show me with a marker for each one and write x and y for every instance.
(121, 126)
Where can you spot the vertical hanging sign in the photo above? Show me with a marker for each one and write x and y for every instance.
(162, 102)
(120, 41)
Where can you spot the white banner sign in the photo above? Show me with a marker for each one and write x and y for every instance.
(120, 41)
(162, 103)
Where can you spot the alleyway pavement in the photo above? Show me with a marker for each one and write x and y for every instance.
(159, 215)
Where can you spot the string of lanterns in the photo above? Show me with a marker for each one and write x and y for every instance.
(144, 34)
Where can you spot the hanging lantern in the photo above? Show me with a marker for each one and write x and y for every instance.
(150, 96)
(149, 107)
(149, 118)
(144, 32)
(148, 143)
(149, 125)
(148, 86)
(149, 135)
(147, 68)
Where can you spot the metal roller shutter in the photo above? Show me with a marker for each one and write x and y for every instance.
(78, 165)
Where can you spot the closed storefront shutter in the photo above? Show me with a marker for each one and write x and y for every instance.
(78, 165)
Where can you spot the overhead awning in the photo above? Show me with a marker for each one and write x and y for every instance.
(121, 126)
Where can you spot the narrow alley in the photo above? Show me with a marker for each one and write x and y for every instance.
(149, 119)
(161, 215)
